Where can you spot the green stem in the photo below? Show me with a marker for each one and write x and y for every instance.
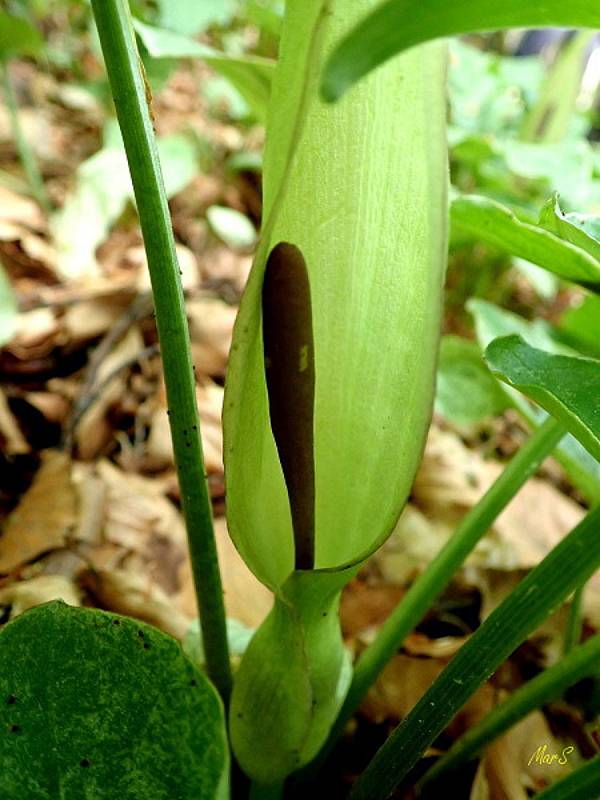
(582, 784)
(439, 573)
(581, 662)
(26, 156)
(574, 621)
(130, 95)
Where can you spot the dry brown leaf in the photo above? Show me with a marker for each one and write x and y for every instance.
(188, 265)
(93, 431)
(509, 766)
(23, 595)
(44, 517)
(37, 334)
(21, 210)
(246, 599)
(210, 403)
(211, 328)
(89, 319)
(135, 595)
(13, 441)
(405, 680)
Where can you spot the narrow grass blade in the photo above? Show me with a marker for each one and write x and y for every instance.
(582, 784)
(548, 685)
(565, 568)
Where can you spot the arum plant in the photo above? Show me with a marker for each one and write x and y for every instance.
(329, 391)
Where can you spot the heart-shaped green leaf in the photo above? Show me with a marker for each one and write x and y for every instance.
(396, 25)
(567, 387)
(362, 195)
(555, 244)
(96, 705)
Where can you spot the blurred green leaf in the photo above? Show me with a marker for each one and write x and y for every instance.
(466, 390)
(8, 309)
(395, 26)
(567, 387)
(582, 323)
(232, 227)
(250, 75)
(190, 17)
(492, 322)
(102, 190)
(550, 119)
(495, 224)
(18, 37)
(582, 231)
(97, 705)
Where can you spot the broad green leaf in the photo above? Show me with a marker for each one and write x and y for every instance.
(250, 75)
(567, 387)
(398, 25)
(582, 784)
(491, 323)
(551, 116)
(8, 309)
(573, 259)
(18, 37)
(375, 257)
(466, 391)
(97, 705)
(233, 227)
(583, 232)
(570, 564)
(188, 17)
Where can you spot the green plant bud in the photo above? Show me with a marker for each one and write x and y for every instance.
(291, 681)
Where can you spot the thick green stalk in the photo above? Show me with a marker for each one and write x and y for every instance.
(582, 784)
(573, 561)
(130, 92)
(26, 156)
(439, 573)
(581, 662)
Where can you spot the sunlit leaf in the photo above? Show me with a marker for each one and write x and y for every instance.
(567, 387)
(96, 705)
(18, 37)
(397, 25)
(250, 75)
(564, 249)
(233, 227)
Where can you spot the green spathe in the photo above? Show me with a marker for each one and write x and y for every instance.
(360, 188)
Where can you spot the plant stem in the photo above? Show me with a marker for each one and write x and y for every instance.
(26, 156)
(130, 94)
(581, 662)
(439, 573)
